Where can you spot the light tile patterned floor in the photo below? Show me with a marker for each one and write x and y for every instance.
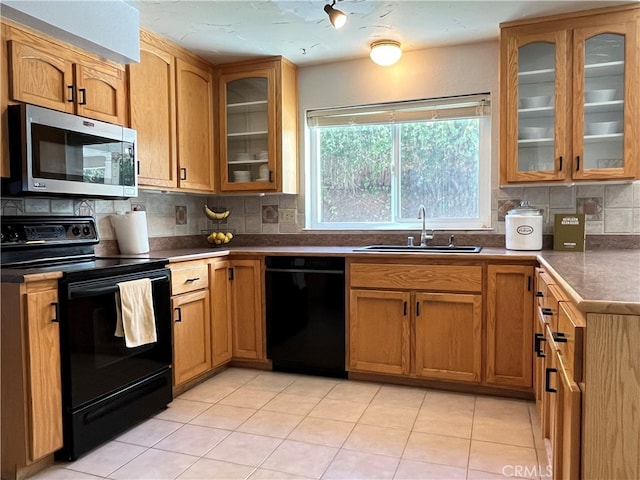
(250, 424)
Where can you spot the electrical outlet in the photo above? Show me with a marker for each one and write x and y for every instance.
(287, 215)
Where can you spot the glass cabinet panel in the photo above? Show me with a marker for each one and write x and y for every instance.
(247, 126)
(536, 109)
(604, 101)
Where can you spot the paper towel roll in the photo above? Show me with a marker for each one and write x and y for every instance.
(131, 231)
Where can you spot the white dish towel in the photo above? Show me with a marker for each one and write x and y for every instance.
(135, 316)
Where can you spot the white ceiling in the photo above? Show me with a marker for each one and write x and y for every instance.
(224, 31)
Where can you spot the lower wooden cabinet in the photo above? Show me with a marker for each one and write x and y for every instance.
(379, 331)
(190, 304)
(191, 335)
(432, 335)
(448, 336)
(246, 310)
(509, 325)
(220, 289)
(31, 387)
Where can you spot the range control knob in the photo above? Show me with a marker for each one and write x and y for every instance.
(86, 230)
(75, 230)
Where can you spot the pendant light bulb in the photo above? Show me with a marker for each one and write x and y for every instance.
(336, 17)
(385, 52)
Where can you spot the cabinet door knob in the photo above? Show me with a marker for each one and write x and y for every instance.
(547, 380)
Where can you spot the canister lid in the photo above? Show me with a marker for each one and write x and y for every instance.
(526, 210)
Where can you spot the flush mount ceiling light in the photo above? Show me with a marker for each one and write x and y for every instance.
(336, 17)
(385, 52)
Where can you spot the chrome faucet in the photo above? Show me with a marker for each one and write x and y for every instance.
(424, 237)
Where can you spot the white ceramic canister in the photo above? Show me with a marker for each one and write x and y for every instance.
(523, 228)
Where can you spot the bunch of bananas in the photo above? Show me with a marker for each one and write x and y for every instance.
(214, 215)
(219, 238)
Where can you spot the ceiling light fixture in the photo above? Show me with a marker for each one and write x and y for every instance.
(385, 52)
(336, 17)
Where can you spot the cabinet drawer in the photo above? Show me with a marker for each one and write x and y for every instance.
(188, 276)
(543, 281)
(571, 324)
(452, 278)
(548, 309)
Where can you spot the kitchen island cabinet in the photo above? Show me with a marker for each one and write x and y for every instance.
(569, 84)
(31, 383)
(258, 126)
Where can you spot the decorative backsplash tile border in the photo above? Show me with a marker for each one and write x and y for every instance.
(610, 210)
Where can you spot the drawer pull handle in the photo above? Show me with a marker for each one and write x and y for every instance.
(56, 307)
(537, 347)
(559, 337)
(546, 311)
(191, 280)
(539, 294)
(547, 380)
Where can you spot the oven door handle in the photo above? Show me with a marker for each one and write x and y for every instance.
(106, 290)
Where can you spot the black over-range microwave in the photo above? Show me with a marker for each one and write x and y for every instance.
(54, 152)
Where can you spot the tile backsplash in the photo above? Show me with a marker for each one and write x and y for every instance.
(609, 209)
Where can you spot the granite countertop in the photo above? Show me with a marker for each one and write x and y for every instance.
(597, 281)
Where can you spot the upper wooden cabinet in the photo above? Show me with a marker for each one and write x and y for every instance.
(153, 114)
(568, 88)
(194, 97)
(171, 107)
(45, 74)
(258, 126)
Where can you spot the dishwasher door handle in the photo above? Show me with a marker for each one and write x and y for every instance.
(303, 270)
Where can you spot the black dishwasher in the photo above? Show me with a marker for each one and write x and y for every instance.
(305, 314)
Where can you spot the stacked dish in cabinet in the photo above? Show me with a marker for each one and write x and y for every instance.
(604, 101)
(536, 109)
(247, 130)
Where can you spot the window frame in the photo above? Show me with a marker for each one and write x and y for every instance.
(313, 199)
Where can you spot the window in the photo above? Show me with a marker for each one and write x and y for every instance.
(371, 167)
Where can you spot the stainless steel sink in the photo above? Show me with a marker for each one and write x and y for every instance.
(417, 249)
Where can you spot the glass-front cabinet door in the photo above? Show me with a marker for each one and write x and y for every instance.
(537, 142)
(247, 121)
(604, 130)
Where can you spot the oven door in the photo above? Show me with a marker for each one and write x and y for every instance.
(96, 363)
